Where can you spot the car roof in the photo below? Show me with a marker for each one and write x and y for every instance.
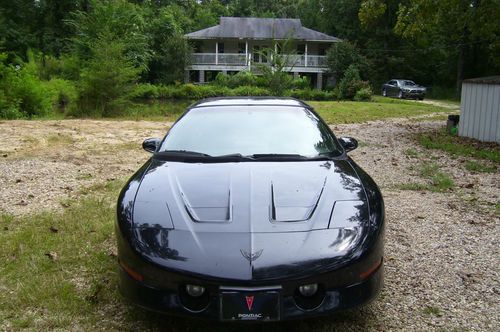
(249, 101)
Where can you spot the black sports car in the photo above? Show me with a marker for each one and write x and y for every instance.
(250, 209)
(403, 89)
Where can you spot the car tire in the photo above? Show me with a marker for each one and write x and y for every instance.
(384, 93)
(420, 98)
(400, 94)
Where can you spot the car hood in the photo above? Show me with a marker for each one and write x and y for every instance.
(247, 220)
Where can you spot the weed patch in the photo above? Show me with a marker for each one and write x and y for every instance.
(459, 146)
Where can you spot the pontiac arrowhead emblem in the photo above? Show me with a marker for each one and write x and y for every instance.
(251, 256)
(249, 302)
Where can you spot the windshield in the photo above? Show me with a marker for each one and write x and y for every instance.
(251, 130)
(409, 83)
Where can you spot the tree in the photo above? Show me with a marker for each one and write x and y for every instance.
(341, 55)
(466, 30)
(280, 57)
(108, 79)
(120, 21)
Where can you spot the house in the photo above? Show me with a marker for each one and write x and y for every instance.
(238, 43)
(480, 109)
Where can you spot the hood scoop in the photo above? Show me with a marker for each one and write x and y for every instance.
(295, 201)
(206, 198)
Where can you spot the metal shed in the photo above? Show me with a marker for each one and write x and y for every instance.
(480, 109)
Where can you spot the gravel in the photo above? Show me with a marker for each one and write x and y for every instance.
(442, 258)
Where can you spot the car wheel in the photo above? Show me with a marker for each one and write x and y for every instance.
(384, 93)
(420, 98)
(400, 94)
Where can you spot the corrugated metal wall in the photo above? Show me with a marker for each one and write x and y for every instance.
(480, 112)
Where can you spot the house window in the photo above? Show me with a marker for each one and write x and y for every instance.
(322, 50)
(301, 49)
(241, 48)
(220, 47)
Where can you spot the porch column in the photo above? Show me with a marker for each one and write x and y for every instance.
(216, 52)
(319, 81)
(305, 64)
(202, 76)
(186, 76)
(247, 63)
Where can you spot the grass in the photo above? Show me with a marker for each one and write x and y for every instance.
(58, 272)
(412, 153)
(436, 180)
(460, 146)
(53, 263)
(334, 112)
(431, 310)
(156, 110)
(478, 167)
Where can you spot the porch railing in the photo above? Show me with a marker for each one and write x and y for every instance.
(239, 59)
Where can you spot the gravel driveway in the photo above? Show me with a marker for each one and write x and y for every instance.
(442, 258)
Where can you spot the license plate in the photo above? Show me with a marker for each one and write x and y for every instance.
(256, 306)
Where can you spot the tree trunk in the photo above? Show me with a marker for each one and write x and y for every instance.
(460, 69)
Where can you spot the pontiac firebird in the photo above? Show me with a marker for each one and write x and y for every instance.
(250, 209)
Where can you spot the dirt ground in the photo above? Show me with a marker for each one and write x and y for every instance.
(442, 259)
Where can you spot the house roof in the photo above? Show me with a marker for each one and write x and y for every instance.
(484, 80)
(261, 28)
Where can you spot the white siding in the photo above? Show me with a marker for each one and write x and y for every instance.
(480, 112)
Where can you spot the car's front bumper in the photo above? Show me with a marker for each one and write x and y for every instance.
(414, 94)
(335, 299)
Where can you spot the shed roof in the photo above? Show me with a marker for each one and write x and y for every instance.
(261, 28)
(484, 80)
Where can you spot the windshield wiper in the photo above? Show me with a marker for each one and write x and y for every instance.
(234, 155)
(183, 153)
(283, 156)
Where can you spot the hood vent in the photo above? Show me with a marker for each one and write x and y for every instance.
(294, 204)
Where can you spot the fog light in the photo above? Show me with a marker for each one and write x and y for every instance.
(195, 290)
(308, 290)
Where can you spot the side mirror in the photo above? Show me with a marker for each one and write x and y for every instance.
(151, 144)
(348, 143)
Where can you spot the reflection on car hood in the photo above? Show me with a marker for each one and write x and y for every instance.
(250, 220)
(245, 197)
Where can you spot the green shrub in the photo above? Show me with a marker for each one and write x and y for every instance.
(250, 91)
(23, 94)
(312, 94)
(301, 83)
(242, 78)
(63, 93)
(304, 94)
(145, 91)
(67, 66)
(350, 84)
(221, 79)
(364, 94)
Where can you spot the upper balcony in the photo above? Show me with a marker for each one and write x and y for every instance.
(229, 61)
